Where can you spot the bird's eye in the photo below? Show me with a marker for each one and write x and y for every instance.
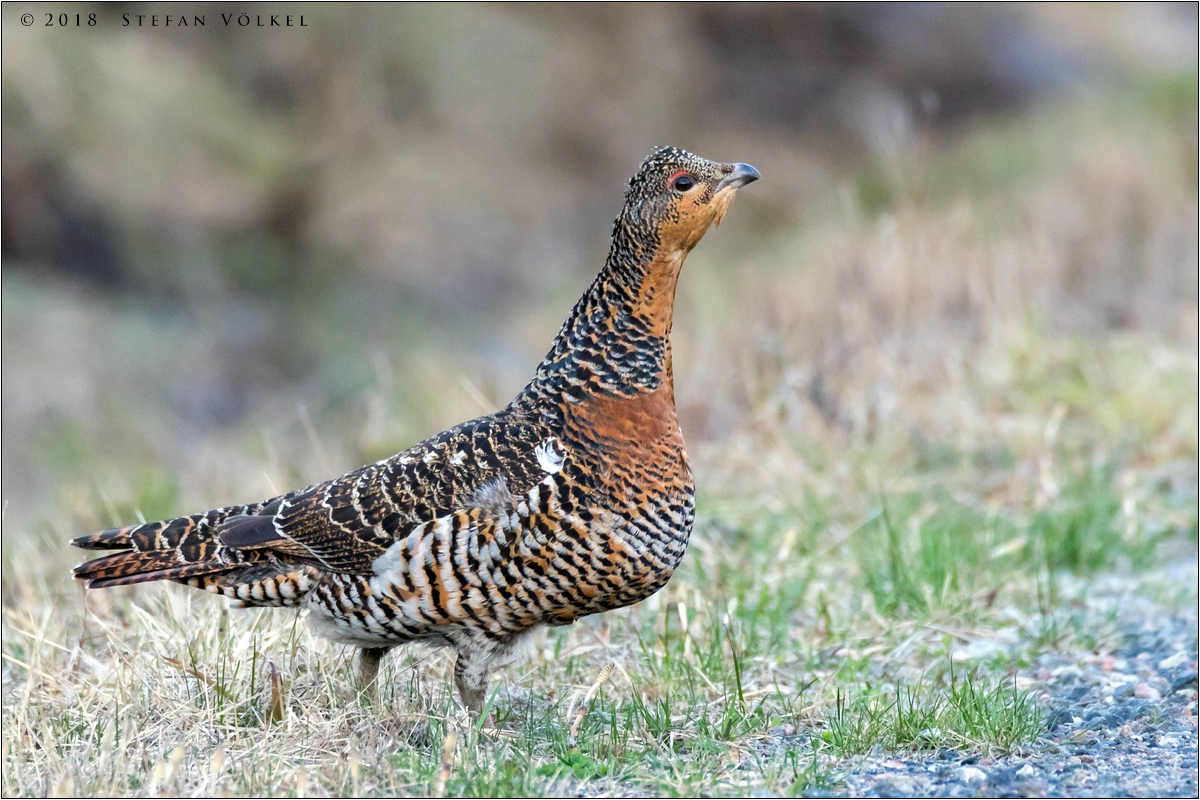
(681, 182)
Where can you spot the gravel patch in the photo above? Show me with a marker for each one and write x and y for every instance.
(1120, 722)
(1096, 744)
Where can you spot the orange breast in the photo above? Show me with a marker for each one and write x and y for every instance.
(630, 421)
(641, 446)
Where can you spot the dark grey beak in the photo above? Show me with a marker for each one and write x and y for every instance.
(741, 175)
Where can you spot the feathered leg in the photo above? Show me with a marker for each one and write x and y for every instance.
(368, 670)
(471, 678)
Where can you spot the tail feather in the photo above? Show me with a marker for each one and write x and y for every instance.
(179, 573)
(124, 569)
(191, 550)
(173, 549)
(168, 534)
(112, 539)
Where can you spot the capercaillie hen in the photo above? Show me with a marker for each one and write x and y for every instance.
(574, 499)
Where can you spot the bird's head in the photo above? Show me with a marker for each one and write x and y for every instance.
(675, 197)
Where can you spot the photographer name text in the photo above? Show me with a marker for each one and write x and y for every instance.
(201, 20)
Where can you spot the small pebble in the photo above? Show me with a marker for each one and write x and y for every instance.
(1173, 661)
(893, 784)
(1026, 771)
(1186, 680)
(1147, 692)
(1057, 718)
(971, 775)
(1033, 788)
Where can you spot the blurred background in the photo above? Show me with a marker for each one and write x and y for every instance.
(238, 260)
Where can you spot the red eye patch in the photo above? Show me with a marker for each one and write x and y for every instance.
(681, 180)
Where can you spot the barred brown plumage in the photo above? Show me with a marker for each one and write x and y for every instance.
(574, 499)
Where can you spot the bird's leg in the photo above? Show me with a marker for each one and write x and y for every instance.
(368, 669)
(471, 678)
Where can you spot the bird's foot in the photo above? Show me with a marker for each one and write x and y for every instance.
(471, 679)
(368, 672)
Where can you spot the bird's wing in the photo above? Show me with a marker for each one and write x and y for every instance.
(345, 524)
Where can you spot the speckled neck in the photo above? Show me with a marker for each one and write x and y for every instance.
(616, 340)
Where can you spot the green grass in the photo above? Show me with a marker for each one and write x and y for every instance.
(970, 713)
